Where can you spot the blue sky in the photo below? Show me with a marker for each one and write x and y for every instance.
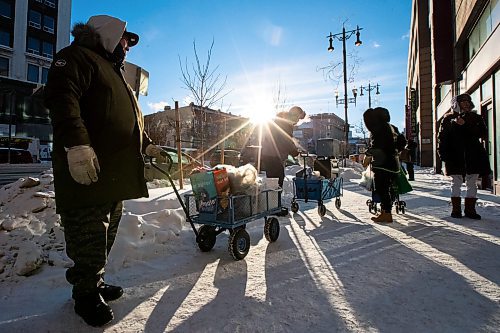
(261, 44)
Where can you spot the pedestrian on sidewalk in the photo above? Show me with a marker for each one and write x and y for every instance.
(411, 146)
(463, 153)
(97, 158)
(278, 143)
(383, 152)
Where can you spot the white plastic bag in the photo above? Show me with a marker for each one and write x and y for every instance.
(367, 178)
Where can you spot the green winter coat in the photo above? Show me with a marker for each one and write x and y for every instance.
(91, 104)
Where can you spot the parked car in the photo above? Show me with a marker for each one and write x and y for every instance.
(188, 164)
(231, 157)
(17, 156)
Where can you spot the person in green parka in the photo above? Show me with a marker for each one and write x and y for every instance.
(98, 147)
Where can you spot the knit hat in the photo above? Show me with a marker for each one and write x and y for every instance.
(460, 98)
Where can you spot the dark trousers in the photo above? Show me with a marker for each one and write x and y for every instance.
(273, 166)
(383, 182)
(411, 171)
(89, 233)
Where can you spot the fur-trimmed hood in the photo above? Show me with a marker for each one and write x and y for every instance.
(100, 31)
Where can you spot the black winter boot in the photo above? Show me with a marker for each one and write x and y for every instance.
(456, 211)
(110, 292)
(94, 311)
(470, 209)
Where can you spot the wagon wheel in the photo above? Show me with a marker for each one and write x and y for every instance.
(206, 238)
(321, 210)
(294, 207)
(239, 244)
(272, 229)
(338, 203)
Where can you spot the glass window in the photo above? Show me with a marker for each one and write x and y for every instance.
(48, 24)
(32, 73)
(484, 26)
(476, 99)
(483, 29)
(47, 49)
(33, 45)
(50, 3)
(473, 43)
(495, 13)
(4, 66)
(35, 19)
(5, 38)
(5, 9)
(45, 74)
(486, 90)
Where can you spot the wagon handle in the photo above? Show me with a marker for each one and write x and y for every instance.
(167, 173)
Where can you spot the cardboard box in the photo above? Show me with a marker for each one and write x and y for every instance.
(222, 185)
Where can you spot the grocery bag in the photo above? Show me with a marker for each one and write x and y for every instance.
(402, 182)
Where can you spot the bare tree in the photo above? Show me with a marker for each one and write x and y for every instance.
(206, 85)
(334, 71)
(160, 129)
(279, 97)
(360, 128)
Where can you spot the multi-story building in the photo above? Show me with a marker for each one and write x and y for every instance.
(453, 50)
(201, 128)
(31, 32)
(419, 121)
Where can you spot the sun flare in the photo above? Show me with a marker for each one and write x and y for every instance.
(260, 113)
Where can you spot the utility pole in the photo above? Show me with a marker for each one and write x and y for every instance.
(369, 89)
(178, 142)
(343, 36)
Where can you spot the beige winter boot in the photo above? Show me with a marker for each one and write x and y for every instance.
(383, 217)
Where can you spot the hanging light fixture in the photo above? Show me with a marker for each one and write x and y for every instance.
(330, 48)
(358, 41)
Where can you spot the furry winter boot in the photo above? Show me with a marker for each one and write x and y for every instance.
(383, 217)
(456, 210)
(470, 209)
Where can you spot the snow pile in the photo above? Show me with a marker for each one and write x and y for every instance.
(31, 234)
(30, 230)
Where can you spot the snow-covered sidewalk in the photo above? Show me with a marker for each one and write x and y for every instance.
(426, 272)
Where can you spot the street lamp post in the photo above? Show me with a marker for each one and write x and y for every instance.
(369, 89)
(342, 37)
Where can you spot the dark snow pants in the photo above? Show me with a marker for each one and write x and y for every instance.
(89, 233)
(383, 182)
(274, 168)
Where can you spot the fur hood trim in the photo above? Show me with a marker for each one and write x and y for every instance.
(99, 31)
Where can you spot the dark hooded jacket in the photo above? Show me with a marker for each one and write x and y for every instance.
(277, 138)
(459, 146)
(383, 147)
(91, 104)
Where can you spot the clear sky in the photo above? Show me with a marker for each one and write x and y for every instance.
(261, 44)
